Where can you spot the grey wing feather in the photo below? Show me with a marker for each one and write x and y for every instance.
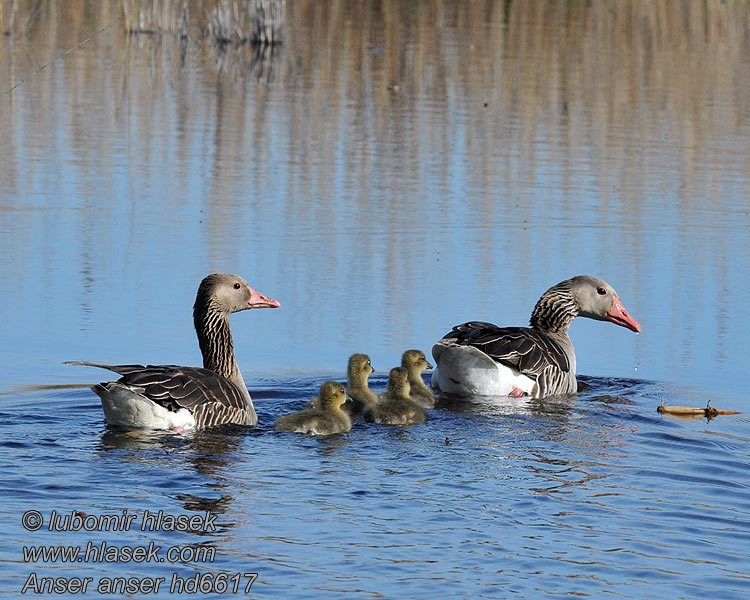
(528, 350)
(185, 387)
(201, 391)
(121, 369)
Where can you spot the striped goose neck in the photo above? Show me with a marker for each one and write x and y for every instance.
(215, 339)
(555, 310)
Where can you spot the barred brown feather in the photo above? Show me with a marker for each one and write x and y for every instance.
(527, 350)
(543, 352)
(215, 394)
(194, 388)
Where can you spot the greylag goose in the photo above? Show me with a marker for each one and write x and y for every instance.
(325, 420)
(398, 408)
(484, 359)
(357, 373)
(415, 362)
(181, 398)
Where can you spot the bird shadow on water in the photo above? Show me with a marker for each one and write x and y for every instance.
(205, 458)
(208, 451)
(496, 406)
(618, 394)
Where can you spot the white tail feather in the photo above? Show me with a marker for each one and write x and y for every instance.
(466, 370)
(126, 407)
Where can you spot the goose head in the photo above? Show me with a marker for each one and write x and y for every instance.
(598, 300)
(359, 369)
(226, 293)
(398, 382)
(581, 296)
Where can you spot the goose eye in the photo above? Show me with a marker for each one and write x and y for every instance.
(237, 286)
(601, 291)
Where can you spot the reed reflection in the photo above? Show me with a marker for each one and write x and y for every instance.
(433, 146)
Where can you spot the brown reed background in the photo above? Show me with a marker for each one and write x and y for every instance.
(605, 61)
(618, 88)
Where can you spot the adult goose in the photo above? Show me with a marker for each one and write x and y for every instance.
(181, 398)
(484, 359)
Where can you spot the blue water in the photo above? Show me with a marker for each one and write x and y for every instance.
(379, 216)
(594, 495)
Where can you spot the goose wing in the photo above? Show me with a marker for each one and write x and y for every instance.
(527, 350)
(209, 396)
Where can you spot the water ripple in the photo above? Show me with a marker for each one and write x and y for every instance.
(592, 495)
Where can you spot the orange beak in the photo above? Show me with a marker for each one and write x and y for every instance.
(258, 300)
(619, 316)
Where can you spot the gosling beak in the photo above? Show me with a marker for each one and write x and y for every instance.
(429, 366)
(258, 300)
(619, 316)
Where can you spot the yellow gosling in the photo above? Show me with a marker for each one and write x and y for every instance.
(415, 363)
(398, 408)
(326, 419)
(357, 373)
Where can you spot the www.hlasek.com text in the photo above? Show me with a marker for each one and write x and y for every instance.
(104, 552)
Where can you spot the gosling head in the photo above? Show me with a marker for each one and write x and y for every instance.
(360, 368)
(415, 360)
(332, 395)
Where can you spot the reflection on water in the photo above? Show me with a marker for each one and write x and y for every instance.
(480, 503)
(391, 170)
(259, 64)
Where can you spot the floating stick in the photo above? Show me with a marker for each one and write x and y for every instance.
(686, 411)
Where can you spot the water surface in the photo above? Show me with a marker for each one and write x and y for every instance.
(387, 173)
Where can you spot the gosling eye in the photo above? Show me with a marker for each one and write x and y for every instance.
(601, 291)
(237, 286)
